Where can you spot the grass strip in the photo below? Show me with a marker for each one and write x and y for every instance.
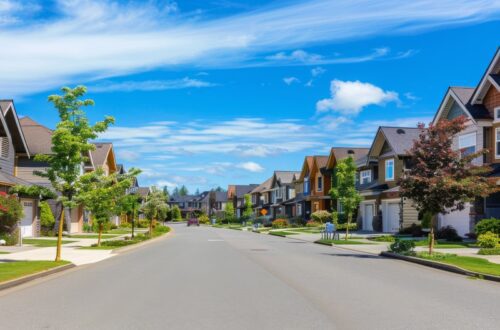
(474, 264)
(44, 242)
(16, 269)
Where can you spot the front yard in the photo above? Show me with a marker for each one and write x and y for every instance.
(474, 264)
(15, 269)
(44, 242)
(126, 241)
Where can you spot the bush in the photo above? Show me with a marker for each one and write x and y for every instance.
(489, 252)
(321, 216)
(402, 246)
(297, 221)
(11, 211)
(87, 228)
(414, 230)
(11, 238)
(448, 233)
(343, 226)
(487, 240)
(143, 223)
(203, 219)
(176, 213)
(312, 223)
(125, 225)
(47, 219)
(485, 225)
(280, 223)
(384, 238)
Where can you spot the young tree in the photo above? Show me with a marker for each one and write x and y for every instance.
(70, 147)
(100, 194)
(175, 213)
(155, 207)
(166, 193)
(183, 191)
(440, 179)
(247, 210)
(345, 189)
(175, 192)
(229, 212)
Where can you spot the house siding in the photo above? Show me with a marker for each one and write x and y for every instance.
(455, 111)
(26, 168)
(410, 214)
(398, 169)
(7, 163)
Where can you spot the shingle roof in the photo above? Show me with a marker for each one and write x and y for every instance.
(242, 190)
(400, 138)
(263, 186)
(12, 180)
(143, 191)
(464, 94)
(220, 196)
(4, 105)
(38, 137)
(355, 153)
(286, 177)
(321, 161)
(100, 154)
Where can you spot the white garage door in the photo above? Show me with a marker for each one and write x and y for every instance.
(458, 219)
(368, 217)
(392, 221)
(27, 220)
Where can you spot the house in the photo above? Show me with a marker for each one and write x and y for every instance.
(317, 180)
(261, 198)
(302, 187)
(480, 104)
(186, 203)
(213, 202)
(282, 194)
(13, 145)
(236, 195)
(382, 208)
(337, 154)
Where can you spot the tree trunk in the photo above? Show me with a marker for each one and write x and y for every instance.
(100, 234)
(431, 237)
(133, 224)
(59, 235)
(151, 228)
(349, 216)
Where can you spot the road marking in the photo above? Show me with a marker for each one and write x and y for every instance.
(216, 240)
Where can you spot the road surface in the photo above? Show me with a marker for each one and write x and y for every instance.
(208, 278)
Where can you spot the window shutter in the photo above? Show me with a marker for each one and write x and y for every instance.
(4, 145)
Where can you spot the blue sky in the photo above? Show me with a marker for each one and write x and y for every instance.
(209, 93)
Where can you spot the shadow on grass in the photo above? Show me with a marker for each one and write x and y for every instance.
(352, 255)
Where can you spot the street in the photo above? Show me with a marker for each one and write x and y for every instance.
(208, 278)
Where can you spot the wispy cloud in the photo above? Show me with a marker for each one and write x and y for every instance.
(87, 40)
(290, 80)
(149, 85)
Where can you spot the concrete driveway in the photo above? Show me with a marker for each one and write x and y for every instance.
(208, 278)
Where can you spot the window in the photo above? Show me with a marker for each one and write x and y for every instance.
(365, 176)
(467, 144)
(320, 184)
(497, 143)
(4, 147)
(306, 185)
(497, 114)
(299, 209)
(389, 169)
(340, 208)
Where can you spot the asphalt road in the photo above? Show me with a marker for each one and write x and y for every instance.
(207, 278)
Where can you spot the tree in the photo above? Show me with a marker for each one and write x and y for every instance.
(175, 192)
(47, 220)
(197, 192)
(247, 208)
(229, 212)
(175, 213)
(183, 191)
(345, 189)
(155, 207)
(440, 179)
(70, 147)
(100, 194)
(219, 189)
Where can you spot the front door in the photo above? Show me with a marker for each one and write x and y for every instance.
(27, 220)
(368, 217)
(393, 217)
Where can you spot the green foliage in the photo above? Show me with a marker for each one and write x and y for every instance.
(280, 223)
(489, 251)
(229, 212)
(155, 207)
(384, 238)
(11, 211)
(312, 223)
(321, 216)
(414, 230)
(247, 210)
(485, 225)
(344, 189)
(448, 233)
(183, 191)
(203, 219)
(176, 213)
(488, 240)
(402, 246)
(33, 192)
(47, 219)
(11, 238)
(344, 226)
(426, 220)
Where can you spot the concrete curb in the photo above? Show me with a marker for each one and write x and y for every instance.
(28, 278)
(441, 266)
(141, 244)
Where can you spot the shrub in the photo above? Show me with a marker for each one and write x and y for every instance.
(11, 211)
(280, 223)
(143, 223)
(448, 233)
(414, 230)
(176, 213)
(125, 225)
(343, 226)
(203, 219)
(402, 246)
(489, 252)
(321, 216)
(485, 225)
(87, 228)
(312, 223)
(11, 238)
(113, 226)
(47, 219)
(298, 221)
(487, 240)
(384, 238)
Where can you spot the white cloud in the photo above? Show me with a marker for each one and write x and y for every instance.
(127, 155)
(291, 80)
(149, 85)
(350, 97)
(411, 97)
(251, 166)
(317, 71)
(88, 40)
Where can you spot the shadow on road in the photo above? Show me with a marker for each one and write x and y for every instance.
(361, 256)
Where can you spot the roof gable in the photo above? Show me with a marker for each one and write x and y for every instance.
(393, 140)
(38, 137)
(306, 167)
(339, 153)
(488, 80)
(12, 120)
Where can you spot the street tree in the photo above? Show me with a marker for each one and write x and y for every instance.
(229, 212)
(183, 191)
(166, 193)
(247, 208)
(129, 205)
(155, 207)
(440, 179)
(344, 189)
(70, 148)
(175, 213)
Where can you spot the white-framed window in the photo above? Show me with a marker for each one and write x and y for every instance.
(389, 169)
(497, 114)
(497, 143)
(365, 176)
(279, 192)
(319, 186)
(299, 209)
(467, 144)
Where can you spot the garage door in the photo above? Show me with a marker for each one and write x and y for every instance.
(27, 220)
(368, 217)
(458, 219)
(392, 222)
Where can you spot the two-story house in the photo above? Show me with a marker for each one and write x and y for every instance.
(212, 202)
(481, 107)
(13, 145)
(302, 185)
(261, 198)
(236, 195)
(282, 190)
(337, 154)
(382, 202)
(320, 182)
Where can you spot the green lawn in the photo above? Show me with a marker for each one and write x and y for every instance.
(307, 230)
(93, 236)
(470, 263)
(342, 242)
(115, 244)
(4, 252)
(440, 244)
(281, 233)
(44, 242)
(16, 269)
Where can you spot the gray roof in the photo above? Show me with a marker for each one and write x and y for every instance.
(242, 190)
(220, 196)
(263, 186)
(38, 137)
(143, 191)
(286, 177)
(183, 199)
(100, 153)
(464, 94)
(355, 153)
(400, 138)
(10, 179)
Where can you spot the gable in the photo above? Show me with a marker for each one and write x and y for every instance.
(455, 111)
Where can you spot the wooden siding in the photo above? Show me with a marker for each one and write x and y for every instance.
(479, 131)
(7, 158)
(26, 167)
(398, 170)
(455, 111)
(410, 214)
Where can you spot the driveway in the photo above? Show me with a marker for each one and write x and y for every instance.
(209, 278)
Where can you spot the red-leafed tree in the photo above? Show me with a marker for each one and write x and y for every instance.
(440, 179)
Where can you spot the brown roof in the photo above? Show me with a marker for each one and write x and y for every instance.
(338, 153)
(263, 186)
(100, 154)
(321, 161)
(38, 137)
(143, 191)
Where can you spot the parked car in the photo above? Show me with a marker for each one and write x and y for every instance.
(192, 220)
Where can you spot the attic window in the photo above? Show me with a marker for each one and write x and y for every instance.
(400, 131)
(350, 152)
